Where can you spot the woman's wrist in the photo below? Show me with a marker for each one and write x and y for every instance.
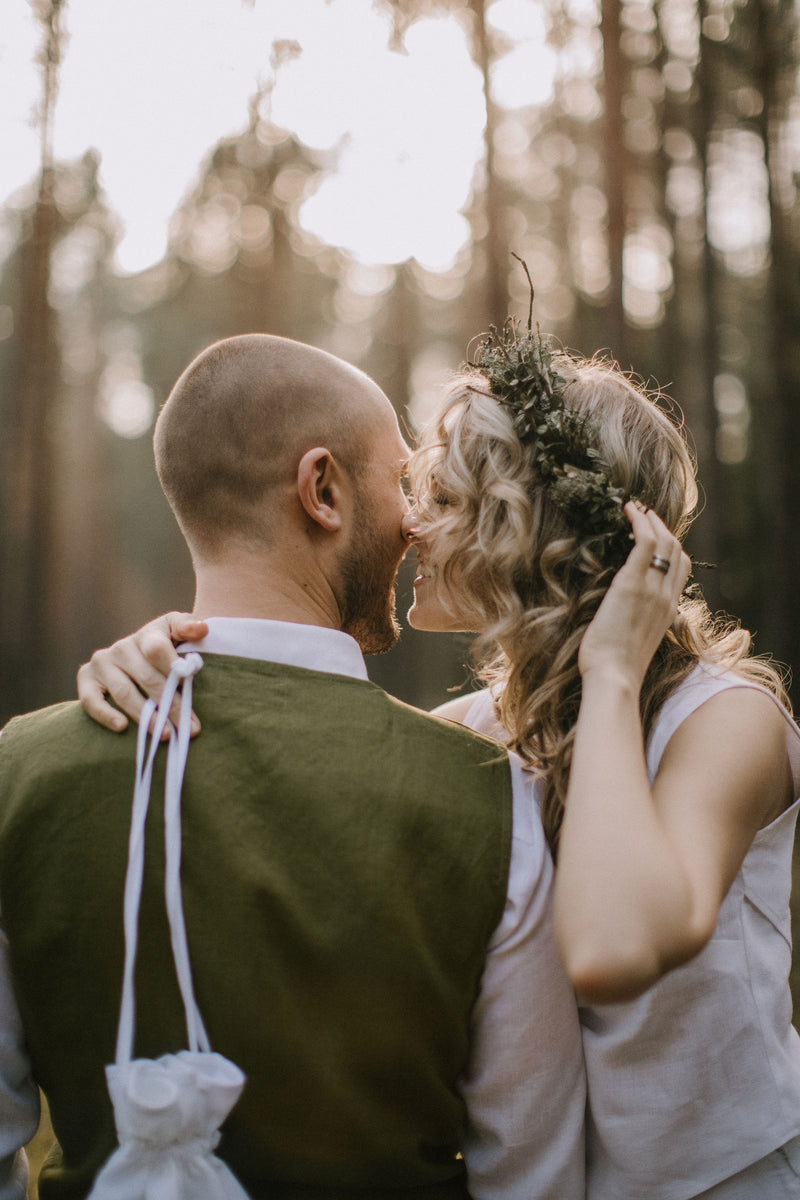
(610, 680)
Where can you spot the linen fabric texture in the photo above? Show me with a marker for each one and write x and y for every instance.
(699, 1078)
(345, 861)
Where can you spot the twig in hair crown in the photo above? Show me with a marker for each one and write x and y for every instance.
(518, 365)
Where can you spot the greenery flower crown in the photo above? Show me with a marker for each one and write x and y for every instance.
(518, 365)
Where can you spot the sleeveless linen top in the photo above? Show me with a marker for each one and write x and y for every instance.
(699, 1077)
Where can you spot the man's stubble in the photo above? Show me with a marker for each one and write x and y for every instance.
(369, 570)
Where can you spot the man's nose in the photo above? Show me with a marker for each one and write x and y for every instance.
(409, 526)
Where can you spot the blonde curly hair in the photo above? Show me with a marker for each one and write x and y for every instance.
(529, 586)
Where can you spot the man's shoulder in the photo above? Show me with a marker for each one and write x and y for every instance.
(30, 723)
(447, 726)
(62, 729)
(52, 716)
(324, 698)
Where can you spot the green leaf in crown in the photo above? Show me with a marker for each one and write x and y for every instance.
(518, 365)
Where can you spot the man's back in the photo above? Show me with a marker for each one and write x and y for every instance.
(345, 861)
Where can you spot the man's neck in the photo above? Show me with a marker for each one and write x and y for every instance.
(237, 590)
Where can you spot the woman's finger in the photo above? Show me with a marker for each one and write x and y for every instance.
(125, 683)
(140, 664)
(94, 687)
(133, 669)
(183, 627)
(656, 549)
(156, 641)
(644, 535)
(92, 696)
(669, 557)
(670, 560)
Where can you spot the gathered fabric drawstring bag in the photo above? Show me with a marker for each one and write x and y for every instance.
(167, 1110)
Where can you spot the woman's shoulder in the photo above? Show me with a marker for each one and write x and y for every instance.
(454, 710)
(704, 683)
(477, 711)
(461, 708)
(706, 680)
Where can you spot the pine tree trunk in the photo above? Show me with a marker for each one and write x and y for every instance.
(29, 590)
(778, 423)
(615, 175)
(495, 243)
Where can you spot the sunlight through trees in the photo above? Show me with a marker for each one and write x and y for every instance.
(641, 156)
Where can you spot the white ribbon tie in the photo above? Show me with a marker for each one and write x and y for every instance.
(167, 1110)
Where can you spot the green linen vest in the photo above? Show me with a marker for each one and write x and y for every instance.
(345, 861)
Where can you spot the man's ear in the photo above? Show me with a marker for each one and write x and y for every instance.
(320, 488)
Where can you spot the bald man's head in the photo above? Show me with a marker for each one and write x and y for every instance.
(238, 421)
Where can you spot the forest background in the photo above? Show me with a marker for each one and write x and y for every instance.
(649, 179)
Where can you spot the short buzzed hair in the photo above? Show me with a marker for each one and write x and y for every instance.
(237, 423)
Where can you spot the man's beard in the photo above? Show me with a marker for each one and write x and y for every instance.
(368, 599)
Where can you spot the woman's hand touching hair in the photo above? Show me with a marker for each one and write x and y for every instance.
(640, 604)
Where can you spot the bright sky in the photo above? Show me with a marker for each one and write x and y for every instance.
(153, 84)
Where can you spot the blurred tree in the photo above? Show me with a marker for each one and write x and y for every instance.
(27, 588)
(55, 606)
(616, 172)
(713, 118)
(495, 242)
(486, 47)
(620, 193)
(773, 43)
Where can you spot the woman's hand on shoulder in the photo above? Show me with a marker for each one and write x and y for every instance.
(640, 603)
(134, 669)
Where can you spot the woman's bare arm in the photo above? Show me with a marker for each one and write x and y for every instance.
(642, 871)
